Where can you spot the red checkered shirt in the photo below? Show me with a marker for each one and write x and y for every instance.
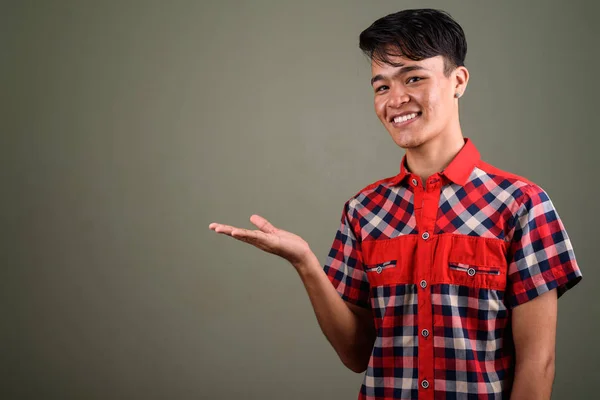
(441, 266)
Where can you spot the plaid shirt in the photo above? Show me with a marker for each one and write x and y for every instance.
(441, 266)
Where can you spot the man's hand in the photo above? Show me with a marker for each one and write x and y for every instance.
(270, 239)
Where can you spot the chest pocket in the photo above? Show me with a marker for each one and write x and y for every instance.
(382, 273)
(378, 268)
(476, 262)
(389, 262)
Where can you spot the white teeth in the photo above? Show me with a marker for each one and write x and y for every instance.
(405, 117)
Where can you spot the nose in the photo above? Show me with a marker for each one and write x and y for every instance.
(398, 96)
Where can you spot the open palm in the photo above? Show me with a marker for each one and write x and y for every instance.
(268, 238)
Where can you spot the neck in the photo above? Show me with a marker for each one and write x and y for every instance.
(434, 155)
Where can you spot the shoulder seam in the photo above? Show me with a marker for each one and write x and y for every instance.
(490, 169)
(371, 186)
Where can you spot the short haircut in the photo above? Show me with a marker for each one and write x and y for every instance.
(416, 34)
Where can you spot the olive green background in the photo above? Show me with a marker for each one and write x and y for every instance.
(128, 127)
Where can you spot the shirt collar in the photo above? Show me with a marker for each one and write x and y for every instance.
(459, 169)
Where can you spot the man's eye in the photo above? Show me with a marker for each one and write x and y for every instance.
(413, 79)
(380, 88)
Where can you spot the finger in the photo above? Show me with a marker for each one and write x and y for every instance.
(253, 237)
(247, 234)
(222, 228)
(256, 238)
(262, 224)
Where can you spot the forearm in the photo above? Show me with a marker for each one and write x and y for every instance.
(533, 380)
(351, 340)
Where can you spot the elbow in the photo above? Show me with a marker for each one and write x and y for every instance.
(549, 367)
(355, 364)
(355, 354)
(541, 366)
(356, 367)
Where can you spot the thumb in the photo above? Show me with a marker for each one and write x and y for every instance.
(262, 224)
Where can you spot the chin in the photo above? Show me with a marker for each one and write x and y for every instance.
(411, 140)
(408, 141)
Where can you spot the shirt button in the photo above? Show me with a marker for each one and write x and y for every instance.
(425, 332)
(414, 182)
(423, 283)
(425, 235)
(425, 383)
(379, 269)
(471, 271)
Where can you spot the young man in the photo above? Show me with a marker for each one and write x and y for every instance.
(440, 282)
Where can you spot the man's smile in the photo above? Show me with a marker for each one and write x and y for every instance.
(404, 119)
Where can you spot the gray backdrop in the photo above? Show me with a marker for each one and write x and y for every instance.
(128, 127)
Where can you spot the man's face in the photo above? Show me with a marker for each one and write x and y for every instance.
(415, 101)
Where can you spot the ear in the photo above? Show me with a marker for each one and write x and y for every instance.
(461, 78)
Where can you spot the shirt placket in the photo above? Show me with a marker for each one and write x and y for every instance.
(426, 208)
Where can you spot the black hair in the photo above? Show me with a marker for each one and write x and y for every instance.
(416, 34)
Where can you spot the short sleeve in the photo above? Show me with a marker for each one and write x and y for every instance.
(541, 256)
(344, 266)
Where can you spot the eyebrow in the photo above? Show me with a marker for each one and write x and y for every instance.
(401, 71)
